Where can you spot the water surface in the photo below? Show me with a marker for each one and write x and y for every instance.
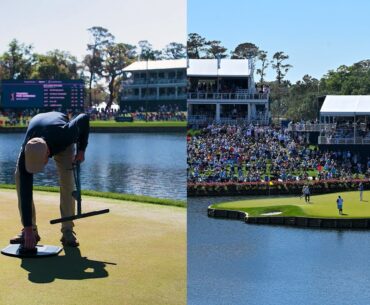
(230, 262)
(144, 164)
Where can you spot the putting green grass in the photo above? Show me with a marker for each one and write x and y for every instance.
(135, 255)
(321, 206)
(138, 124)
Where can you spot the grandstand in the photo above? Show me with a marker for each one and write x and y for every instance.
(153, 84)
(328, 153)
(350, 118)
(223, 91)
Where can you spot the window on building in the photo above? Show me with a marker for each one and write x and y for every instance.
(171, 91)
(172, 74)
(129, 92)
(181, 90)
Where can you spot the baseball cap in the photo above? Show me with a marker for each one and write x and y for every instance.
(35, 152)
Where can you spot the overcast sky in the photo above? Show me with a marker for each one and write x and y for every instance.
(63, 24)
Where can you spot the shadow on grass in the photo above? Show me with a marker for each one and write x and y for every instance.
(71, 266)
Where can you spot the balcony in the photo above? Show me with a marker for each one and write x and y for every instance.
(209, 119)
(153, 82)
(308, 127)
(227, 97)
(154, 97)
(323, 140)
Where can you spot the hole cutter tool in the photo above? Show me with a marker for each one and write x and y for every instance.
(77, 196)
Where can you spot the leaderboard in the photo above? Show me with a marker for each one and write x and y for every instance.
(55, 94)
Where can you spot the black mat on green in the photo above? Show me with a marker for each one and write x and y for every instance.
(42, 251)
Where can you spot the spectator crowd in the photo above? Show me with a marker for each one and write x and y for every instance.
(163, 113)
(248, 153)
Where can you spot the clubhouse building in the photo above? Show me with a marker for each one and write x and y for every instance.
(154, 84)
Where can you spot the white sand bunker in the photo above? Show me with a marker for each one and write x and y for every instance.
(272, 213)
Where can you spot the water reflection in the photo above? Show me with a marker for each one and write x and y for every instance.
(145, 164)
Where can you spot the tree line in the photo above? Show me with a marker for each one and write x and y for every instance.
(199, 47)
(101, 68)
(301, 100)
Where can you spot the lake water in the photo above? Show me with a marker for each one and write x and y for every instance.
(144, 164)
(230, 262)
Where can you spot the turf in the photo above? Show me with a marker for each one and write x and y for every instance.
(135, 255)
(320, 205)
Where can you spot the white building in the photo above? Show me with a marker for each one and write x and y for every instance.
(151, 84)
(224, 91)
(349, 118)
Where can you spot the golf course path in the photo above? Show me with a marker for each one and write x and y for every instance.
(136, 254)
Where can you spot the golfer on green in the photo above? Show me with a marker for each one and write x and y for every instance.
(49, 135)
(361, 189)
(340, 205)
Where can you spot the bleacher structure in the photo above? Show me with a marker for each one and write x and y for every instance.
(224, 91)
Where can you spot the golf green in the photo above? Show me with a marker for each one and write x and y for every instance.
(321, 206)
(136, 254)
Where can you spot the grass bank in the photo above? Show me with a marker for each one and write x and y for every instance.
(139, 124)
(321, 206)
(110, 195)
(114, 124)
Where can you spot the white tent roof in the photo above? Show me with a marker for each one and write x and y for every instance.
(103, 105)
(346, 105)
(156, 65)
(197, 67)
(228, 67)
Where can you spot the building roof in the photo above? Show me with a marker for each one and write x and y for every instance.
(156, 65)
(209, 67)
(197, 67)
(346, 105)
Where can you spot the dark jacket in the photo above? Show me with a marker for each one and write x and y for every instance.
(58, 133)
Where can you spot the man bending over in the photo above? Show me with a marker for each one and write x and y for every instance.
(49, 135)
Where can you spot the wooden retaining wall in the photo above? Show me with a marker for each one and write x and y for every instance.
(308, 222)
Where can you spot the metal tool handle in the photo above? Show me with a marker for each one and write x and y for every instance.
(77, 194)
(70, 218)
